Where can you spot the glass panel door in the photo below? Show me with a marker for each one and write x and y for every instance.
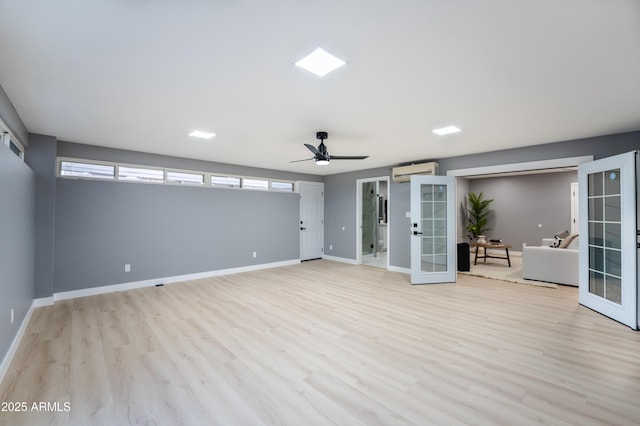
(433, 237)
(608, 262)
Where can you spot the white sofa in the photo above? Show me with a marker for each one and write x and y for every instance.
(550, 264)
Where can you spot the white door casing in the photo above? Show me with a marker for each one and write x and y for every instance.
(311, 220)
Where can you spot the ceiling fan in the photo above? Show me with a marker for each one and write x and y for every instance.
(322, 156)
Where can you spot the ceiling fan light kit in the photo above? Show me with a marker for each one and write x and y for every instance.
(322, 156)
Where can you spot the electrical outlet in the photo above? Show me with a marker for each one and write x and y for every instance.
(255, 254)
(12, 316)
(127, 267)
(330, 247)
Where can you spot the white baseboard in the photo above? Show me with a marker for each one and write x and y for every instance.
(43, 301)
(340, 259)
(399, 269)
(167, 280)
(6, 362)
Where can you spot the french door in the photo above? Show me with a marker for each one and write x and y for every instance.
(608, 237)
(433, 229)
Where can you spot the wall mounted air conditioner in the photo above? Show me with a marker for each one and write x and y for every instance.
(403, 173)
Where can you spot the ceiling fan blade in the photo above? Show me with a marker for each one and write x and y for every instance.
(312, 148)
(306, 159)
(348, 157)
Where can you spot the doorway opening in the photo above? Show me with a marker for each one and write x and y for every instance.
(372, 222)
(536, 229)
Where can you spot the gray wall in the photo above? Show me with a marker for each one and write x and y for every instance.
(521, 203)
(165, 230)
(340, 211)
(340, 190)
(17, 234)
(41, 157)
(17, 244)
(462, 189)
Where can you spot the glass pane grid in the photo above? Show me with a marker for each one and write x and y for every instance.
(434, 228)
(605, 235)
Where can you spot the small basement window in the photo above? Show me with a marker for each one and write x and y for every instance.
(225, 182)
(136, 174)
(185, 178)
(281, 186)
(261, 184)
(87, 170)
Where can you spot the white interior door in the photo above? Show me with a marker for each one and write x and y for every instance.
(608, 250)
(311, 220)
(433, 229)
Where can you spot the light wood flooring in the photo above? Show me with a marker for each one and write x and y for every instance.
(327, 343)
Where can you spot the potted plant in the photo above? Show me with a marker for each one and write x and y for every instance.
(477, 215)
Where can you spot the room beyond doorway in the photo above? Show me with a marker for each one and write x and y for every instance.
(372, 218)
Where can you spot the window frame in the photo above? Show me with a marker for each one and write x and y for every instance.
(8, 140)
(206, 176)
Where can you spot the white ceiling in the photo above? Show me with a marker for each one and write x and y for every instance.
(142, 74)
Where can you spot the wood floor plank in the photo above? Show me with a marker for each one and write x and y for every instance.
(326, 343)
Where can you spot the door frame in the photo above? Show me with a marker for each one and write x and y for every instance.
(359, 183)
(529, 166)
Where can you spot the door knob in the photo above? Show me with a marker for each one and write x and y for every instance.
(302, 228)
(417, 233)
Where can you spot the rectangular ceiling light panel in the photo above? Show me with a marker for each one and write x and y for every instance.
(320, 62)
(446, 130)
(201, 135)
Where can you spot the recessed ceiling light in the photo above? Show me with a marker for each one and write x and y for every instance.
(320, 62)
(201, 135)
(446, 130)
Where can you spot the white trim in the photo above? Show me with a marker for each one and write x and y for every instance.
(519, 167)
(6, 362)
(43, 301)
(400, 269)
(167, 280)
(340, 259)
